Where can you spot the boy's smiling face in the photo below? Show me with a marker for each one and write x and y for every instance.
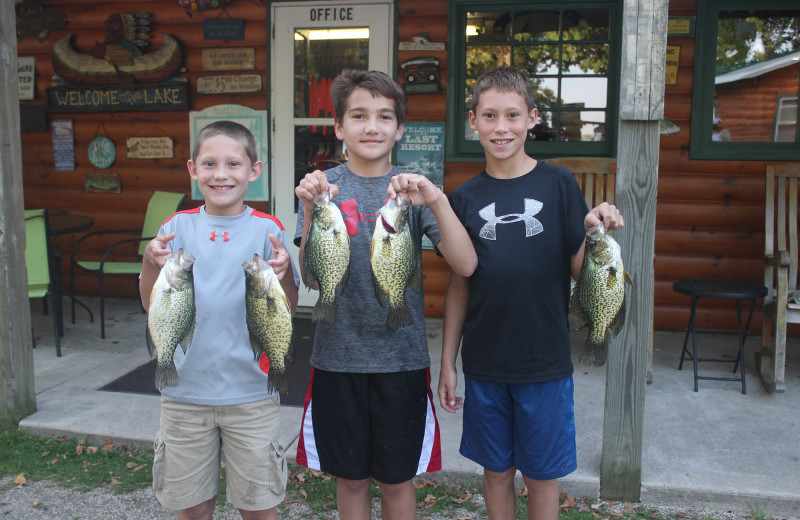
(369, 127)
(502, 120)
(222, 171)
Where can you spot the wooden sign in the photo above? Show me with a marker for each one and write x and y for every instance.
(63, 145)
(149, 147)
(101, 183)
(229, 84)
(680, 26)
(227, 29)
(673, 57)
(229, 59)
(166, 96)
(26, 75)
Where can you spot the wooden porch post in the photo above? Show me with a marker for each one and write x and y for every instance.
(17, 396)
(644, 35)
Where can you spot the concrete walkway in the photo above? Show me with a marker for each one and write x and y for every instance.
(713, 449)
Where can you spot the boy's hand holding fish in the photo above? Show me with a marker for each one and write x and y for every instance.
(313, 184)
(606, 213)
(417, 189)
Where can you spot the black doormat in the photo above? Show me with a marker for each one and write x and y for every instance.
(141, 380)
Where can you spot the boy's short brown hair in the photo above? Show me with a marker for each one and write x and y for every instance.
(235, 131)
(506, 79)
(378, 83)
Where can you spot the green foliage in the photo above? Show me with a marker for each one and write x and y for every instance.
(73, 464)
(743, 40)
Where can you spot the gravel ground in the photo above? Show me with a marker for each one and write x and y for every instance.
(47, 501)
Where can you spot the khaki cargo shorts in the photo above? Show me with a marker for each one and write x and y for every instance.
(194, 439)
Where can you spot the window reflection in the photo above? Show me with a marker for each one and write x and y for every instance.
(756, 76)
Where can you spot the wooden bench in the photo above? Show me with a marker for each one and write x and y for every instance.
(780, 271)
(595, 175)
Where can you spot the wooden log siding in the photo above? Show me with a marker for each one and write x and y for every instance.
(707, 217)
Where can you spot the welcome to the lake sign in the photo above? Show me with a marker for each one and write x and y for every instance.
(165, 96)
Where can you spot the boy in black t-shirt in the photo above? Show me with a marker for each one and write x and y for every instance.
(527, 220)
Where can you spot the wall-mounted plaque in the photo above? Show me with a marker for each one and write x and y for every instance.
(101, 183)
(149, 147)
(26, 74)
(229, 84)
(680, 26)
(673, 57)
(227, 29)
(63, 145)
(229, 59)
(166, 96)
(102, 152)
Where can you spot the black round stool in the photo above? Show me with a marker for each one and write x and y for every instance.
(724, 290)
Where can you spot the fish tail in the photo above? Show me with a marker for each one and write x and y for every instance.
(166, 374)
(399, 316)
(278, 381)
(594, 354)
(324, 310)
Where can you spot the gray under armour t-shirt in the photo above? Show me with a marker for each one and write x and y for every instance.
(359, 340)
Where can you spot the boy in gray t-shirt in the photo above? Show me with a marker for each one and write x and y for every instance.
(369, 410)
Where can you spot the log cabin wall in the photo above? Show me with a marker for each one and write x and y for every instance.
(64, 190)
(709, 218)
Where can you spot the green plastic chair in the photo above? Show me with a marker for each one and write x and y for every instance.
(37, 261)
(161, 206)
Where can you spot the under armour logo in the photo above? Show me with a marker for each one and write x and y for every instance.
(350, 210)
(215, 236)
(532, 226)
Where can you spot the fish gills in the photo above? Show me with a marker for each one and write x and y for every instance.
(269, 320)
(326, 257)
(171, 316)
(598, 299)
(395, 262)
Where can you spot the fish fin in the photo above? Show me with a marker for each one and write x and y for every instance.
(416, 276)
(576, 317)
(186, 341)
(166, 374)
(151, 348)
(324, 310)
(619, 320)
(343, 282)
(594, 354)
(278, 381)
(626, 277)
(399, 316)
(254, 345)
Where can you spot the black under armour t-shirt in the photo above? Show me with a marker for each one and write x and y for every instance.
(524, 231)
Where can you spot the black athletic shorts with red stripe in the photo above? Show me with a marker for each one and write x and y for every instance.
(381, 426)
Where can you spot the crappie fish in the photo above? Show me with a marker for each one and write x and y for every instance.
(269, 321)
(171, 318)
(326, 257)
(395, 261)
(598, 299)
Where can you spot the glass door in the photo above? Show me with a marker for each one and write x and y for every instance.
(312, 42)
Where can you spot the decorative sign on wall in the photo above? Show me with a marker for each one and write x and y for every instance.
(253, 120)
(149, 147)
(673, 57)
(26, 74)
(680, 26)
(420, 42)
(229, 84)
(227, 29)
(229, 59)
(102, 152)
(167, 96)
(101, 183)
(63, 145)
(421, 150)
(420, 75)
